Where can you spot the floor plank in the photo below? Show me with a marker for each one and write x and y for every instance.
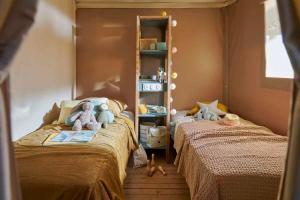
(138, 186)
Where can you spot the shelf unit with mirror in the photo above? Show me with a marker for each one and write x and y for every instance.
(153, 71)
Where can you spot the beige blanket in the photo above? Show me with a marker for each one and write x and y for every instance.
(237, 163)
(95, 170)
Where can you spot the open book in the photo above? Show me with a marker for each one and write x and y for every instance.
(70, 137)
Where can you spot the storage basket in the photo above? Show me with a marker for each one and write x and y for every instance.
(156, 137)
(144, 127)
(145, 43)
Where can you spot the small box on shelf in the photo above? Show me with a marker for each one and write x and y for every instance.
(148, 43)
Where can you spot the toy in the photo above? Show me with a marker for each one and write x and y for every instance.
(206, 114)
(148, 167)
(152, 171)
(153, 160)
(161, 169)
(84, 118)
(105, 116)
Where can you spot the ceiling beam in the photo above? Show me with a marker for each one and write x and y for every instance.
(153, 4)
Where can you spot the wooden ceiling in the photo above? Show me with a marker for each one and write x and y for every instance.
(153, 3)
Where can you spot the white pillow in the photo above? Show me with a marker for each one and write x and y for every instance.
(213, 107)
(98, 100)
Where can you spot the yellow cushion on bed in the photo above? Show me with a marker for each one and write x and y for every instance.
(116, 107)
(65, 109)
(196, 108)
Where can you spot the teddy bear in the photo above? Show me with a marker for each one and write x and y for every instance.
(84, 118)
(206, 114)
(105, 116)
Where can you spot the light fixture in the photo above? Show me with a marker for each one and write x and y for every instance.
(173, 86)
(173, 111)
(174, 75)
(163, 13)
(174, 23)
(174, 50)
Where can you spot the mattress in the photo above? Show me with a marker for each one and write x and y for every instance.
(95, 170)
(219, 162)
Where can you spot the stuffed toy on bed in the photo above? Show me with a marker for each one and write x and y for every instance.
(105, 116)
(84, 118)
(206, 114)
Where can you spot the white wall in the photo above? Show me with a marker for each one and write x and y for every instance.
(42, 71)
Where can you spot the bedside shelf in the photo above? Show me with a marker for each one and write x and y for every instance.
(154, 52)
(155, 64)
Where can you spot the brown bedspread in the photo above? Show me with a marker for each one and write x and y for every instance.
(237, 163)
(95, 170)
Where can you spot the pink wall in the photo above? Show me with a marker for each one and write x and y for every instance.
(249, 96)
(106, 40)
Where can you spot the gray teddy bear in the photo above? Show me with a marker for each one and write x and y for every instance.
(105, 116)
(206, 114)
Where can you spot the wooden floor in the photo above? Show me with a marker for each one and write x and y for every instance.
(138, 186)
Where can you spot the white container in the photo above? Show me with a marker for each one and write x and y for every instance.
(144, 128)
(156, 137)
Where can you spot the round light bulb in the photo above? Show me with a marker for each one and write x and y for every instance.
(174, 23)
(163, 13)
(171, 99)
(174, 50)
(174, 75)
(173, 86)
(173, 111)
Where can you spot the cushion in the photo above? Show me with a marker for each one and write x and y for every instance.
(66, 109)
(97, 100)
(196, 108)
(116, 107)
(213, 107)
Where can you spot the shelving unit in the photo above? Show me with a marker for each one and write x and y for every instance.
(147, 63)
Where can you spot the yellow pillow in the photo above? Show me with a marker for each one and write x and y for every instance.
(196, 108)
(116, 107)
(66, 109)
(193, 111)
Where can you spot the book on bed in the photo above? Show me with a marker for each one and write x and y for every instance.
(70, 137)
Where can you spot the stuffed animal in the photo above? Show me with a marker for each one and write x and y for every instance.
(84, 118)
(105, 116)
(206, 114)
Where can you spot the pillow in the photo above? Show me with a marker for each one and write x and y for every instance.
(116, 107)
(69, 103)
(97, 100)
(193, 111)
(213, 107)
(66, 109)
(196, 108)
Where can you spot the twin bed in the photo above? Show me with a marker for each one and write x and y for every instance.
(220, 162)
(95, 170)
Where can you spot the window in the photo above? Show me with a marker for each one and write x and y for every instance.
(278, 64)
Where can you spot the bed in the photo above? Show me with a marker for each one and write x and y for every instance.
(220, 162)
(95, 170)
